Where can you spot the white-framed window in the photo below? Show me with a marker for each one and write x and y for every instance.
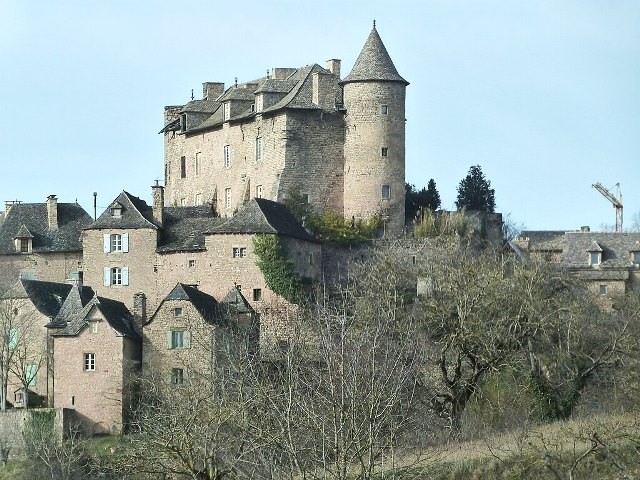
(258, 149)
(116, 211)
(258, 191)
(603, 289)
(239, 252)
(177, 339)
(259, 103)
(198, 199)
(227, 198)
(197, 165)
(116, 242)
(386, 192)
(89, 362)
(595, 258)
(227, 110)
(178, 312)
(177, 376)
(93, 327)
(384, 109)
(257, 294)
(384, 151)
(183, 202)
(116, 276)
(227, 156)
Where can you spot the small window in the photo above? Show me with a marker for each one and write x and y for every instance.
(116, 276)
(311, 258)
(183, 167)
(13, 338)
(30, 373)
(93, 327)
(177, 376)
(198, 199)
(636, 257)
(595, 258)
(89, 362)
(239, 252)
(197, 165)
(178, 339)
(24, 245)
(183, 202)
(257, 294)
(384, 109)
(386, 192)
(116, 243)
(227, 198)
(604, 290)
(183, 122)
(413, 259)
(192, 263)
(253, 107)
(227, 110)
(116, 211)
(259, 149)
(227, 156)
(384, 151)
(259, 103)
(178, 312)
(305, 199)
(259, 191)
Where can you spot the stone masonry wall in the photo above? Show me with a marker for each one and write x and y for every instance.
(49, 267)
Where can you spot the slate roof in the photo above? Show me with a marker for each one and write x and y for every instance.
(374, 63)
(32, 218)
(544, 240)
(264, 216)
(183, 228)
(234, 302)
(616, 249)
(115, 313)
(205, 304)
(47, 297)
(74, 302)
(135, 214)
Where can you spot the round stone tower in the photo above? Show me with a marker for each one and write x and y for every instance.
(374, 98)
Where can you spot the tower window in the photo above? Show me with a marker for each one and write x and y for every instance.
(259, 149)
(384, 109)
(227, 198)
(227, 156)
(386, 192)
(257, 294)
(384, 151)
(603, 290)
(197, 164)
(183, 167)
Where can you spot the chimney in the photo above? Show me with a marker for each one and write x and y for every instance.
(333, 65)
(139, 308)
(158, 203)
(75, 278)
(212, 90)
(324, 90)
(52, 212)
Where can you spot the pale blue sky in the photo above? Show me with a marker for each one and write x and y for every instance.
(543, 94)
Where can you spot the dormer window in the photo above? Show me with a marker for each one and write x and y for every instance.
(23, 241)
(116, 210)
(595, 258)
(259, 103)
(227, 110)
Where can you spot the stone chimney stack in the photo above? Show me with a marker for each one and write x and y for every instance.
(158, 203)
(139, 308)
(52, 212)
(212, 90)
(333, 65)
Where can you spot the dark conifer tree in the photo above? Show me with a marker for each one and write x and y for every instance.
(475, 192)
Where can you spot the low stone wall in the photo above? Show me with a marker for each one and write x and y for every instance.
(12, 423)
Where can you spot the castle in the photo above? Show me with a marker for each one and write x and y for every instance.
(147, 279)
(340, 143)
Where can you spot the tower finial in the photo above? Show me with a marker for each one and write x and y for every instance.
(374, 23)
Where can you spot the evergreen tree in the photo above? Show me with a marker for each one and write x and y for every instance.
(431, 196)
(424, 198)
(475, 192)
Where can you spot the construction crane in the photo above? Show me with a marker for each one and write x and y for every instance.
(615, 200)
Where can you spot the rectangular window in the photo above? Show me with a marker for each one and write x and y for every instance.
(594, 258)
(116, 276)
(116, 242)
(259, 149)
(311, 258)
(198, 199)
(386, 192)
(177, 376)
(239, 252)
(24, 245)
(89, 362)
(227, 198)
(259, 191)
(183, 167)
(198, 167)
(13, 338)
(30, 374)
(227, 111)
(259, 103)
(636, 257)
(93, 327)
(227, 156)
(384, 151)
(178, 312)
(192, 263)
(603, 289)
(178, 339)
(257, 294)
(183, 202)
(384, 109)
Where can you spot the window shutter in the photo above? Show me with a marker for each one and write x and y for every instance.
(169, 338)
(106, 241)
(125, 275)
(187, 339)
(107, 276)
(125, 242)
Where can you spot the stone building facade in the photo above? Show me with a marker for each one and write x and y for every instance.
(338, 143)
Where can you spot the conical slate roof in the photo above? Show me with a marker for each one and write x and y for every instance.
(374, 63)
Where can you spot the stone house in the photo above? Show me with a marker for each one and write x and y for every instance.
(340, 143)
(97, 350)
(191, 333)
(42, 240)
(609, 262)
